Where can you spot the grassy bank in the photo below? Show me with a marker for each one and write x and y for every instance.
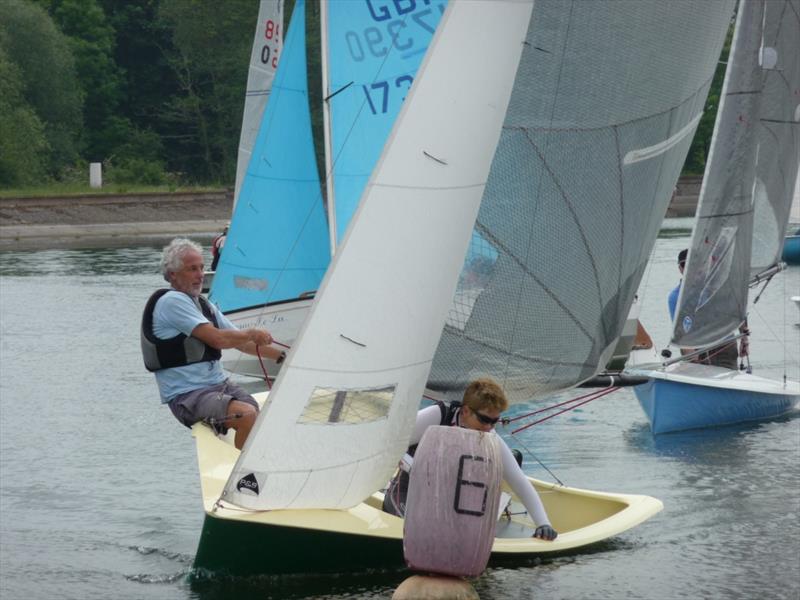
(77, 189)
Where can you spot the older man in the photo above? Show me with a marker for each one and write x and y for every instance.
(182, 338)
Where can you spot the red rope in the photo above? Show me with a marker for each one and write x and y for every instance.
(541, 410)
(595, 396)
(261, 362)
(263, 368)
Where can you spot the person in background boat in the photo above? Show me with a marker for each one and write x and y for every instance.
(725, 355)
(216, 247)
(483, 402)
(182, 337)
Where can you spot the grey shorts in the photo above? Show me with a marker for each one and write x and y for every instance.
(209, 404)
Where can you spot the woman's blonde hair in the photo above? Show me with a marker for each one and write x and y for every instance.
(485, 393)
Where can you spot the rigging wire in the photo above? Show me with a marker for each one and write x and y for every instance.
(573, 404)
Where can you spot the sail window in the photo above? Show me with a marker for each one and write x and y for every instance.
(332, 406)
(718, 266)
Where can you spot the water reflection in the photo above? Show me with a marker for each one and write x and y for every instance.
(86, 262)
(374, 584)
(125, 261)
(719, 445)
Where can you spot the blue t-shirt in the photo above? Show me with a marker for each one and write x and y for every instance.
(672, 301)
(176, 313)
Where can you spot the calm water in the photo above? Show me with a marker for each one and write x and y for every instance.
(99, 491)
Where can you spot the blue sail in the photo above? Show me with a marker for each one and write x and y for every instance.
(375, 49)
(278, 246)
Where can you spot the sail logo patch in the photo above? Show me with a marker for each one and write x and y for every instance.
(250, 283)
(248, 484)
(687, 324)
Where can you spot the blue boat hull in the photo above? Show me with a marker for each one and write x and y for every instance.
(679, 405)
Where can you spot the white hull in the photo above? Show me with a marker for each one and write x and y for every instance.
(283, 320)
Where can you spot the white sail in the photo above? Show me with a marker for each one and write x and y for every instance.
(267, 44)
(604, 107)
(375, 324)
(778, 133)
(750, 176)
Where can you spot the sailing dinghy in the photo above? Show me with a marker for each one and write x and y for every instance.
(460, 260)
(363, 537)
(741, 221)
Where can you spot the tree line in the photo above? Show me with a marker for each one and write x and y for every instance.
(153, 89)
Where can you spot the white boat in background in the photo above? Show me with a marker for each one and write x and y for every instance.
(567, 161)
(741, 221)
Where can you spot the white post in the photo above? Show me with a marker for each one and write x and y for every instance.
(95, 175)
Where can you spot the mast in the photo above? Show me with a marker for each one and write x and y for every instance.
(326, 126)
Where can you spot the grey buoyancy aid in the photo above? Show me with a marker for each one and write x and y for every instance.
(177, 351)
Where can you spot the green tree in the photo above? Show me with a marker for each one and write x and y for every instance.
(23, 146)
(46, 68)
(91, 38)
(142, 43)
(211, 48)
(698, 152)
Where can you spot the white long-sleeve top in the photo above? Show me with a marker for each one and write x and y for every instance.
(512, 473)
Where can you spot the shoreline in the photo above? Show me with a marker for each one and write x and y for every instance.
(144, 219)
(102, 221)
(111, 235)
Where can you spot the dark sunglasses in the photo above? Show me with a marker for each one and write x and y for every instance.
(484, 419)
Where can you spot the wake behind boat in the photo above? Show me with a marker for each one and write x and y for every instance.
(248, 542)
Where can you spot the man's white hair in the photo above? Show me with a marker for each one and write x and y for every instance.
(172, 256)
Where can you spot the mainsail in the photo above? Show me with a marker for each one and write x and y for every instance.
(374, 326)
(752, 168)
(778, 133)
(263, 62)
(372, 57)
(604, 107)
(277, 247)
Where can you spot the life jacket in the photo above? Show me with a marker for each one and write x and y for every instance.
(177, 351)
(216, 244)
(448, 416)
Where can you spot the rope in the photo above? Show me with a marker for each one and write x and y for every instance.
(263, 368)
(594, 396)
(536, 458)
(541, 410)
